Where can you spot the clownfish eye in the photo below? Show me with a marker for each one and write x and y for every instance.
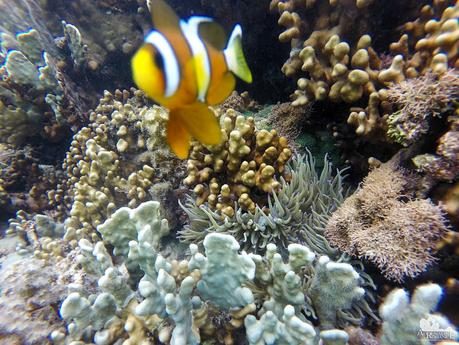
(158, 61)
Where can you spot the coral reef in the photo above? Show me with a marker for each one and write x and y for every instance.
(241, 170)
(385, 224)
(178, 298)
(298, 212)
(256, 240)
(117, 160)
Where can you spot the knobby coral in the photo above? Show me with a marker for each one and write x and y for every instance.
(242, 170)
(383, 223)
(114, 161)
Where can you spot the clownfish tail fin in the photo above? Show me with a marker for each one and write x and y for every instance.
(235, 58)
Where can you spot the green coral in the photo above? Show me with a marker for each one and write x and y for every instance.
(223, 271)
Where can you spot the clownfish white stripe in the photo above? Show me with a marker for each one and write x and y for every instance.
(171, 66)
(199, 52)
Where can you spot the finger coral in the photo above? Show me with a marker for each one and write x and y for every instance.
(239, 171)
(113, 162)
(383, 223)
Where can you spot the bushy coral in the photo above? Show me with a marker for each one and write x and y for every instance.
(239, 171)
(418, 100)
(383, 223)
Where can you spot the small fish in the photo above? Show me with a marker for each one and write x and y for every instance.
(186, 66)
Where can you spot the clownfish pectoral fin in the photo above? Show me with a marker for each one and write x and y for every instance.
(177, 135)
(201, 123)
(235, 56)
(219, 92)
(213, 34)
(163, 16)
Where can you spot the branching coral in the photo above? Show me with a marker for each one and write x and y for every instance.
(209, 294)
(428, 45)
(297, 212)
(115, 161)
(241, 170)
(383, 223)
(37, 95)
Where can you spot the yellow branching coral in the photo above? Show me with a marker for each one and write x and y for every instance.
(113, 162)
(241, 169)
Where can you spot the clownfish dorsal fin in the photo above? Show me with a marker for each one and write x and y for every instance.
(213, 34)
(234, 56)
(162, 15)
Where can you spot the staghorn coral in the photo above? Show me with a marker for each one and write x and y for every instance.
(418, 100)
(383, 223)
(297, 213)
(241, 170)
(115, 161)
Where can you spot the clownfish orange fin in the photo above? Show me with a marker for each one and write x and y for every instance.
(235, 58)
(177, 135)
(219, 92)
(213, 34)
(201, 123)
(162, 15)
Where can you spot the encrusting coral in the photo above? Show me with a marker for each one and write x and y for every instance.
(239, 171)
(383, 223)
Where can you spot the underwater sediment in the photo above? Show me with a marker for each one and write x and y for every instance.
(328, 214)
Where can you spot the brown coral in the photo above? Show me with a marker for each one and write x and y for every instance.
(384, 224)
(418, 100)
(241, 169)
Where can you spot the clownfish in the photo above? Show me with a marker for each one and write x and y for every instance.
(186, 66)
